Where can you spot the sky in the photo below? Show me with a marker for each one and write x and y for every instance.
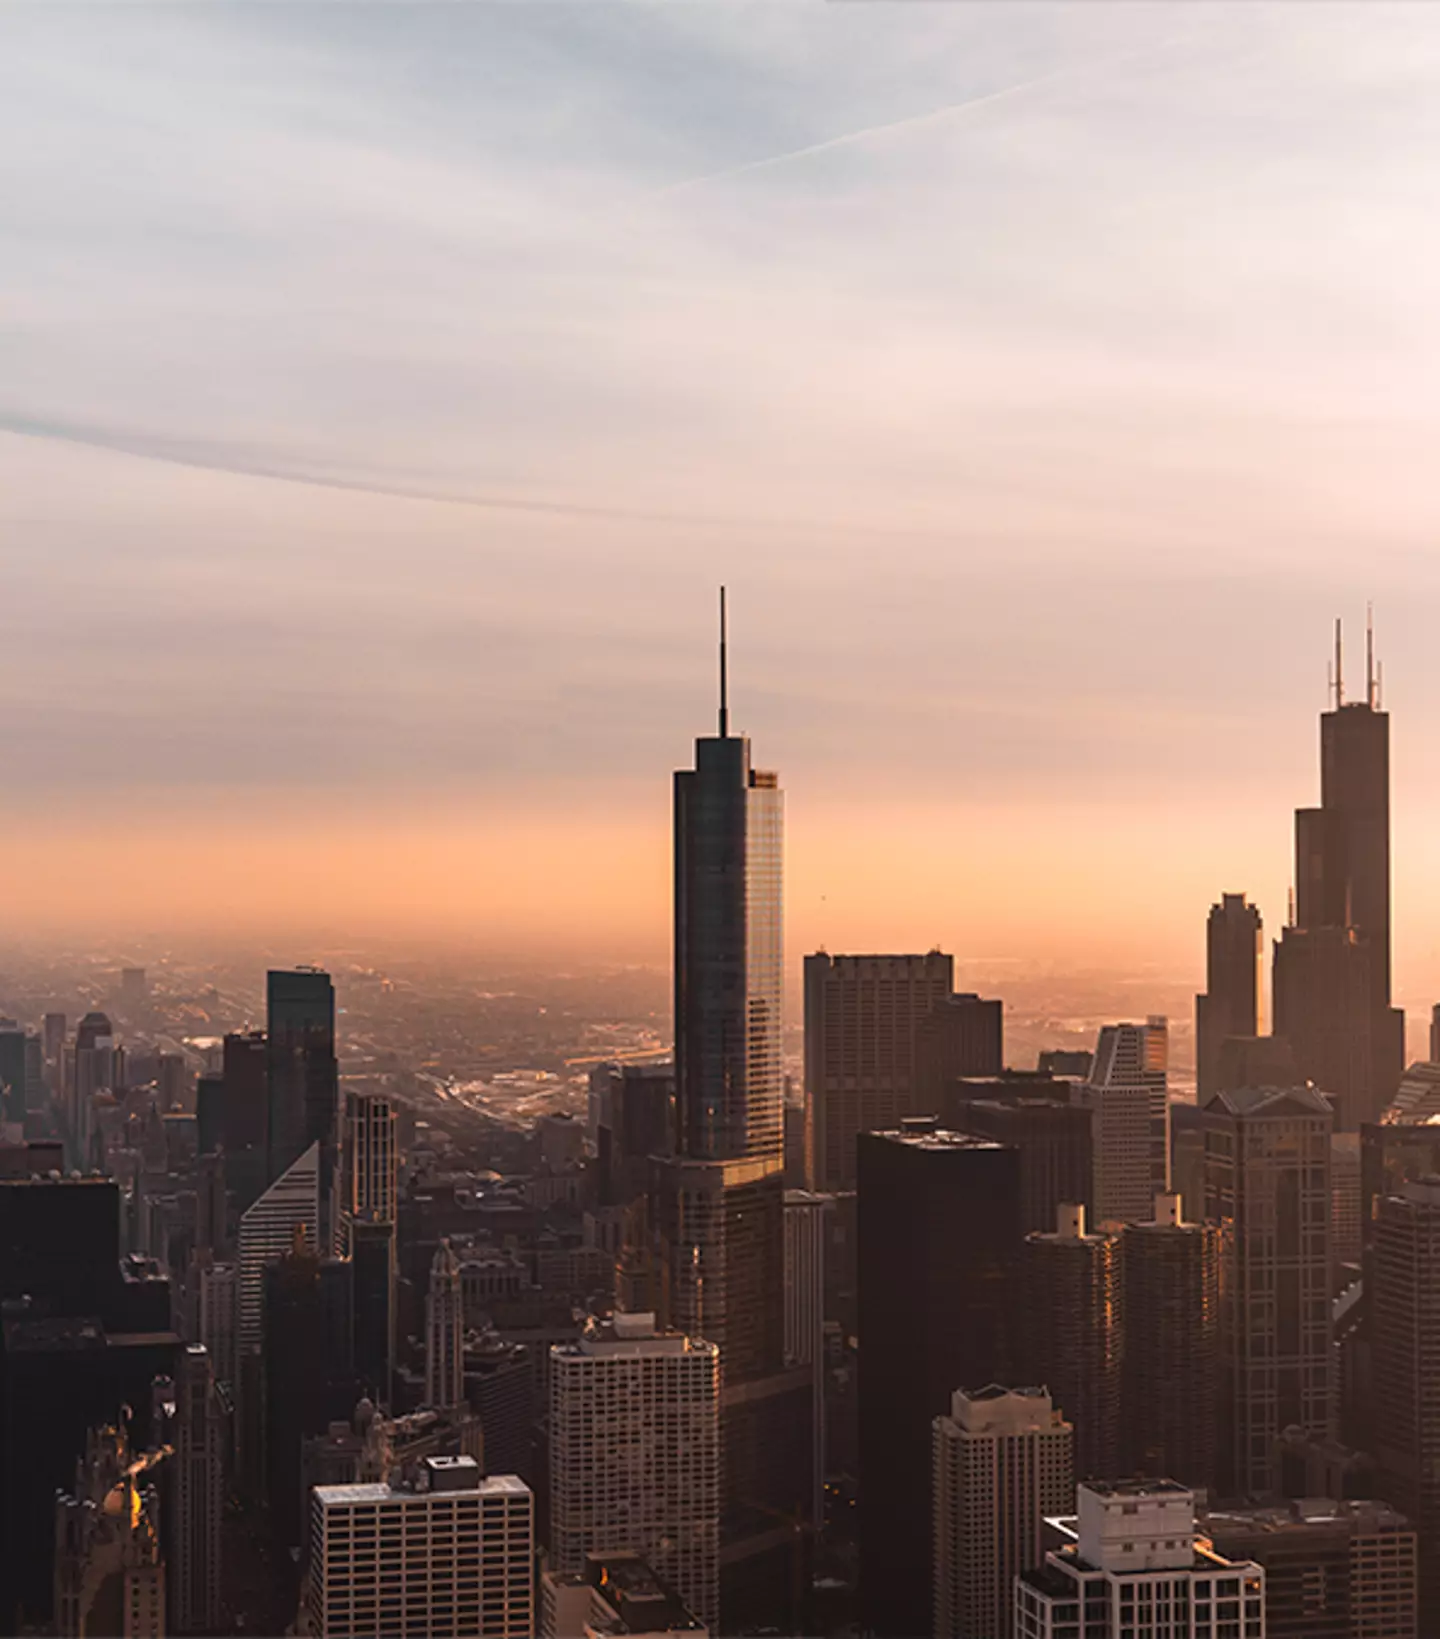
(386, 389)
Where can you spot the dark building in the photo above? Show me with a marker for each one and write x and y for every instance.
(1230, 1005)
(1332, 968)
(1171, 1376)
(1189, 1125)
(939, 1239)
(1066, 1061)
(719, 1203)
(635, 1121)
(1391, 1156)
(303, 1078)
(963, 1036)
(1052, 1136)
(1073, 1328)
(500, 1389)
(12, 1072)
(1254, 1061)
(308, 1369)
(372, 1257)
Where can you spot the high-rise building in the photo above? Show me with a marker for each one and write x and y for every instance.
(632, 1120)
(805, 1237)
(1332, 969)
(1127, 1092)
(452, 1554)
(1269, 1185)
(197, 1495)
(1035, 1116)
(1073, 1334)
(268, 1230)
(12, 1073)
(1333, 1570)
(1230, 1005)
(1404, 1280)
(372, 1260)
(1170, 1380)
(939, 1238)
(444, 1332)
(97, 1065)
(1002, 1465)
(369, 1158)
(963, 1035)
(1435, 1033)
(1132, 1564)
(303, 1079)
(368, 1206)
(635, 1454)
(616, 1593)
(719, 1204)
(212, 1314)
(862, 1022)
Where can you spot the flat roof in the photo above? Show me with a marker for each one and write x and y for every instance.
(938, 1138)
(492, 1485)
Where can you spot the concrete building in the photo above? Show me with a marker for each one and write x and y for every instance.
(267, 1232)
(1002, 1464)
(444, 1332)
(1404, 1292)
(635, 1454)
(212, 1294)
(805, 1237)
(1131, 1135)
(109, 1559)
(1073, 1334)
(449, 1555)
(1132, 1566)
(1171, 1375)
(862, 1019)
(616, 1594)
(1230, 1004)
(1333, 1570)
(369, 1159)
(197, 1493)
(1269, 1185)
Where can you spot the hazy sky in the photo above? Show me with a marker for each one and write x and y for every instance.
(386, 388)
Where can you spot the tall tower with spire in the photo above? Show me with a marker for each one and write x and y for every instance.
(719, 1204)
(444, 1332)
(1332, 965)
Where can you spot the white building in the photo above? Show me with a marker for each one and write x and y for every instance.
(1131, 1567)
(635, 1454)
(268, 1229)
(450, 1558)
(1003, 1462)
(1127, 1092)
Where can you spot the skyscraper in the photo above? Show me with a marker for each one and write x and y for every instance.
(1131, 1134)
(1073, 1334)
(1230, 1005)
(805, 1235)
(444, 1333)
(1002, 1465)
(1332, 968)
(1170, 1379)
(862, 1019)
(719, 1206)
(1404, 1280)
(1268, 1170)
(197, 1497)
(939, 1238)
(635, 1454)
(267, 1231)
(303, 1079)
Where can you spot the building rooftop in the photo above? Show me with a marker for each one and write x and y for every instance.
(489, 1485)
(1267, 1100)
(926, 1133)
(1305, 1514)
(1136, 1488)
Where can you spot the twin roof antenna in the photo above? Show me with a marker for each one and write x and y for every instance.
(1372, 666)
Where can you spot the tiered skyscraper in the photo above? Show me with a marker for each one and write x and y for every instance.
(1332, 965)
(720, 1201)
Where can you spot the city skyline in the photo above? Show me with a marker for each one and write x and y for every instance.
(1027, 559)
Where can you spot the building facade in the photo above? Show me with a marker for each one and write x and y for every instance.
(1230, 1005)
(1127, 1092)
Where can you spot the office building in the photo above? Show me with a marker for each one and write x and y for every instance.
(1035, 1116)
(197, 1492)
(244, 1117)
(1132, 1566)
(1332, 969)
(1435, 1033)
(928, 1319)
(1403, 1276)
(451, 1557)
(1002, 1465)
(1333, 1570)
(1345, 1229)
(1269, 1178)
(1417, 1098)
(805, 1238)
(718, 1205)
(1131, 1135)
(109, 1554)
(635, 1454)
(97, 1065)
(617, 1593)
(1171, 1376)
(369, 1158)
(303, 1080)
(1392, 1155)
(632, 1117)
(268, 1230)
(372, 1260)
(12, 1073)
(212, 1301)
(1073, 1333)
(444, 1332)
(963, 1035)
(1230, 1005)
(862, 1023)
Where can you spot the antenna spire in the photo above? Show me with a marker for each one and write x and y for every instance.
(1339, 678)
(724, 679)
(1372, 683)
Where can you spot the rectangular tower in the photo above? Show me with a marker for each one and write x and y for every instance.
(1230, 1005)
(197, 1496)
(1131, 1134)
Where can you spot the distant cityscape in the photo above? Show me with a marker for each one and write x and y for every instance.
(391, 1299)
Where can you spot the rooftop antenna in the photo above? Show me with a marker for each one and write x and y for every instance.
(1339, 678)
(724, 681)
(1371, 682)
